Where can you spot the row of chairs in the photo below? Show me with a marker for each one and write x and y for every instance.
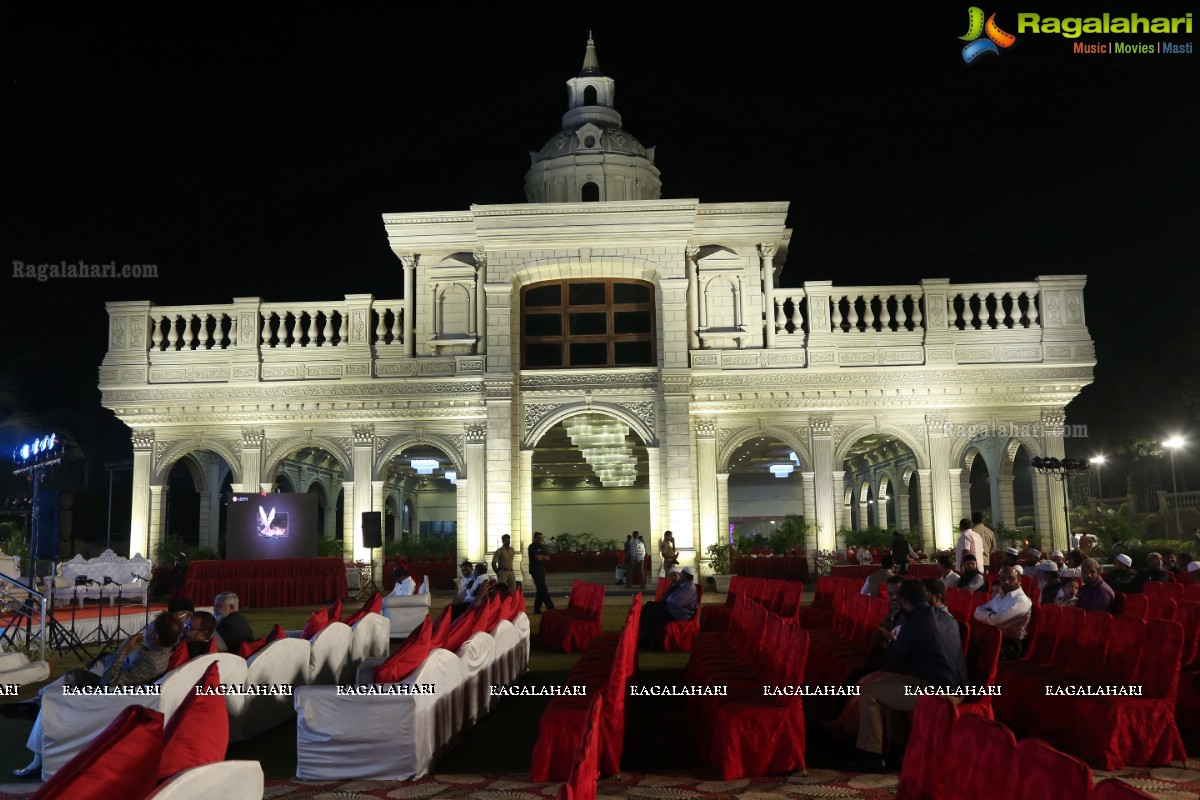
(746, 732)
(1162, 605)
(778, 596)
(1075, 648)
(604, 669)
(947, 748)
(1175, 591)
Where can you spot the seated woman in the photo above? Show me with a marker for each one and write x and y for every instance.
(142, 659)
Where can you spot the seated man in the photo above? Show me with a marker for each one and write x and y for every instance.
(142, 659)
(885, 634)
(479, 583)
(1154, 572)
(198, 631)
(926, 652)
(1048, 581)
(863, 556)
(937, 594)
(232, 628)
(971, 579)
(1122, 578)
(1095, 594)
(949, 577)
(679, 605)
(877, 579)
(1010, 612)
(468, 570)
(405, 585)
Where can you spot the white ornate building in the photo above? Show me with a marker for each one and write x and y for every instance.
(596, 301)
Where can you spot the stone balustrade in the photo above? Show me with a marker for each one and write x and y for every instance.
(818, 325)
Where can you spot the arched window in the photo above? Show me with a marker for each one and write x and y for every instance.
(589, 193)
(588, 323)
(589, 96)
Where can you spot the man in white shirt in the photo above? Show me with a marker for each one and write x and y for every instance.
(949, 577)
(968, 542)
(1009, 611)
(404, 582)
(863, 556)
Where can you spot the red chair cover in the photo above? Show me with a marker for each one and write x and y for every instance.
(980, 750)
(572, 628)
(271, 582)
(581, 785)
(923, 774)
(1135, 605)
(1043, 766)
(678, 636)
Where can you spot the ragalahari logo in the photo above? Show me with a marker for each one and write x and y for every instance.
(976, 27)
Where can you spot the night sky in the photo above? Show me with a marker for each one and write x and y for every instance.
(251, 151)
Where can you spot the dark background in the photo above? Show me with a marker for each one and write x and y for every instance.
(249, 151)
(243, 541)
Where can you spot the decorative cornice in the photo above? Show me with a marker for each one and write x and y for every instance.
(394, 390)
(891, 378)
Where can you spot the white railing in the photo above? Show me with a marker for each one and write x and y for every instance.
(192, 328)
(880, 309)
(994, 306)
(304, 325)
(790, 305)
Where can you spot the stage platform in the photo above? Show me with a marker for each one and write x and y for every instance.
(88, 620)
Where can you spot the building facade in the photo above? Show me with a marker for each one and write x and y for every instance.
(602, 358)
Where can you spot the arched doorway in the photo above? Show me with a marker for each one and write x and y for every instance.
(766, 485)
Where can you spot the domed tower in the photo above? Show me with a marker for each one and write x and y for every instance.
(592, 158)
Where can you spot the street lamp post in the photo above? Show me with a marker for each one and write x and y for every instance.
(1173, 444)
(1099, 462)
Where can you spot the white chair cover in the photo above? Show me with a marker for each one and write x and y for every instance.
(522, 625)
(372, 636)
(330, 654)
(378, 737)
(228, 780)
(285, 661)
(506, 666)
(477, 655)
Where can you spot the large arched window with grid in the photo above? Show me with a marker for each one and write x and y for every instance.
(588, 323)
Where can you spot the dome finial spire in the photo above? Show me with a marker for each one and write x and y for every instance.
(591, 63)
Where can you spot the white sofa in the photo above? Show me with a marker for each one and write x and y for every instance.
(118, 570)
(405, 612)
(338, 736)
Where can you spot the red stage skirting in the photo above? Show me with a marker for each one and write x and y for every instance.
(782, 568)
(862, 571)
(267, 584)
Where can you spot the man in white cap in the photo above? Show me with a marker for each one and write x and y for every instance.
(1010, 557)
(1048, 581)
(1009, 611)
(1122, 578)
(680, 603)
(1193, 572)
(1058, 558)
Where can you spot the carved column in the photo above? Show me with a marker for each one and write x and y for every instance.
(723, 507)
(926, 500)
(349, 526)
(843, 511)
(525, 482)
(1053, 447)
(706, 485)
(680, 466)
(410, 303)
(1008, 505)
(363, 438)
(654, 490)
(158, 514)
(480, 302)
(962, 506)
(498, 481)
(826, 484)
(994, 481)
(693, 297)
(139, 520)
(767, 255)
(900, 492)
(252, 467)
(941, 488)
(476, 490)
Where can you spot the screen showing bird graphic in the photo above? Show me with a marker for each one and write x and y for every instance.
(272, 524)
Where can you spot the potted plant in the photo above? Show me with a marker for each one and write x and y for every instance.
(719, 563)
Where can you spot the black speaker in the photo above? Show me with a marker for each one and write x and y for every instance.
(46, 545)
(372, 528)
